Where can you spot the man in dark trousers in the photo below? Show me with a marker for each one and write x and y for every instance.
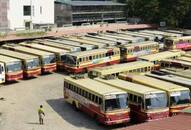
(41, 114)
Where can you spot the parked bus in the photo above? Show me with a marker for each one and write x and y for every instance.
(178, 72)
(182, 43)
(31, 64)
(13, 68)
(82, 61)
(156, 58)
(108, 105)
(136, 34)
(158, 38)
(86, 42)
(132, 51)
(58, 45)
(178, 96)
(175, 31)
(131, 38)
(2, 73)
(118, 41)
(170, 78)
(58, 52)
(164, 34)
(72, 43)
(175, 63)
(47, 59)
(107, 42)
(145, 103)
(115, 70)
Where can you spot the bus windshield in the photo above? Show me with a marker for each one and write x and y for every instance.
(183, 97)
(49, 59)
(13, 66)
(120, 102)
(70, 60)
(32, 63)
(155, 101)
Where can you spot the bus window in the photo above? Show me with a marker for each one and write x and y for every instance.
(130, 97)
(135, 98)
(90, 57)
(182, 98)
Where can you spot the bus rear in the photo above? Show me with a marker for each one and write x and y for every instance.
(2, 73)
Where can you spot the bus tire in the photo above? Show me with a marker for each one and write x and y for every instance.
(96, 117)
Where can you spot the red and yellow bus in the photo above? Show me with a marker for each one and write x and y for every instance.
(145, 103)
(31, 64)
(183, 43)
(115, 70)
(79, 62)
(108, 105)
(58, 52)
(13, 68)
(156, 58)
(131, 52)
(178, 96)
(47, 59)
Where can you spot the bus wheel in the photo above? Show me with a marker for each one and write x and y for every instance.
(96, 117)
(75, 106)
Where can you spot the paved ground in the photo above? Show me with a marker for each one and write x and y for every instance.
(19, 109)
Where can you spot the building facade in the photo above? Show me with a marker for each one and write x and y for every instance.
(26, 14)
(90, 11)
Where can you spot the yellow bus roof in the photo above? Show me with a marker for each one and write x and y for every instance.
(87, 42)
(15, 54)
(6, 59)
(27, 50)
(130, 87)
(44, 48)
(180, 38)
(91, 52)
(179, 61)
(185, 58)
(94, 86)
(155, 83)
(161, 55)
(146, 43)
(118, 68)
(51, 43)
(98, 40)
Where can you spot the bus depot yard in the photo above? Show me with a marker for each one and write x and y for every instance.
(118, 78)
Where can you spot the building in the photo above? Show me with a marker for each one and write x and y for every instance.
(88, 11)
(26, 14)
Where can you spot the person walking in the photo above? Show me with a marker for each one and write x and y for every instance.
(41, 114)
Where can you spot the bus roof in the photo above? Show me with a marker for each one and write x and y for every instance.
(26, 50)
(185, 58)
(145, 43)
(177, 61)
(44, 47)
(6, 59)
(94, 86)
(57, 45)
(128, 86)
(16, 54)
(136, 34)
(118, 68)
(162, 55)
(131, 38)
(90, 52)
(72, 43)
(86, 42)
(99, 40)
(180, 38)
(117, 37)
(109, 39)
(156, 83)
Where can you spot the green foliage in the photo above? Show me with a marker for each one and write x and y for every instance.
(171, 11)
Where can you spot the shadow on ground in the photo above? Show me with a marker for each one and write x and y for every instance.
(76, 118)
